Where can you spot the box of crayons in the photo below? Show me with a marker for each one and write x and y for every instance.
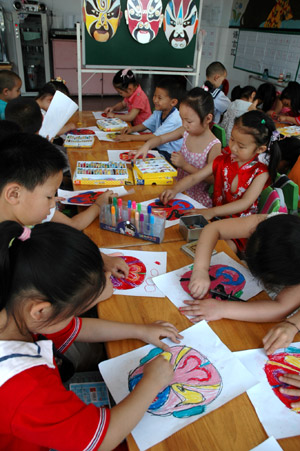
(112, 124)
(102, 173)
(86, 141)
(159, 181)
(152, 168)
(133, 220)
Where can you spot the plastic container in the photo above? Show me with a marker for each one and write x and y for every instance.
(190, 227)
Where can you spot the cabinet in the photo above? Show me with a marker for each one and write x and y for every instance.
(64, 53)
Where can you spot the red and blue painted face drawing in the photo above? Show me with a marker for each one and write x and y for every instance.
(124, 156)
(87, 198)
(224, 279)
(280, 364)
(195, 384)
(136, 276)
(180, 22)
(102, 18)
(144, 17)
(174, 209)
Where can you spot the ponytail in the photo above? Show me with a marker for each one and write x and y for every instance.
(262, 128)
(51, 262)
(123, 79)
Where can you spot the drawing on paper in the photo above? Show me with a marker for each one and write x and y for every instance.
(81, 131)
(225, 279)
(126, 157)
(136, 276)
(174, 208)
(86, 198)
(278, 365)
(195, 384)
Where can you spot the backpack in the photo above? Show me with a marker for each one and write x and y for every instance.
(272, 200)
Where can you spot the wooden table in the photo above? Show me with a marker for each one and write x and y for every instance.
(234, 426)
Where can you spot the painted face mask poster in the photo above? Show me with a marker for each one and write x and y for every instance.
(143, 266)
(174, 208)
(203, 381)
(273, 408)
(227, 277)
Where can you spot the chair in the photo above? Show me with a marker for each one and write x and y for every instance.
(290, 192)
(219, 133)
(271, 200)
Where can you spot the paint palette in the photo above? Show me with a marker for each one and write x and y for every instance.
(79, 141)
(113, 124)
(151, 167)
(94, 170)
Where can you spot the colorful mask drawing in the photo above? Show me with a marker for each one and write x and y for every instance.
(144, 18)
(225, 279)
(180, 22)
(123, 155)
(174, 209)
(81, 131)
(102, 18)
(87, 198)
(196, 383)
(136, 276)
(278, 365)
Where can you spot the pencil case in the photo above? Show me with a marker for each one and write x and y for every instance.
(191, 226)
(147, 227)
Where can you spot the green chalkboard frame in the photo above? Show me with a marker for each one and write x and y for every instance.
(123, 51)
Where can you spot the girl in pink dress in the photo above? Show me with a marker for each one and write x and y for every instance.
(200, 146)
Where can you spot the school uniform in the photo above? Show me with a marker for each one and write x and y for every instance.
(138, 100)
(159, 126)
(36, 412)
(2, 109)
(221, 102)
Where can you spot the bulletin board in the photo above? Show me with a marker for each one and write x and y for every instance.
(123, 50)
(259, 50)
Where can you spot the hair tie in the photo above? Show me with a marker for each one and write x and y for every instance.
(59, 79)
(263, 121)
(275, 136)
(125, 72)
(25, 234)
(206, 88)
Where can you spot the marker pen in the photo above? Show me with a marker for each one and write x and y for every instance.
(137, 221)
(120, 209)
(141, 223)
(148, 219)
(133, 205)
(139, 208)
(152, 222)
(129, 210)
(108, 215)
(113, 216)
(132, 217)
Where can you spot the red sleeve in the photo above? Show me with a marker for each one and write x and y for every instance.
(49, 415)
(297, 120)
(65, 337)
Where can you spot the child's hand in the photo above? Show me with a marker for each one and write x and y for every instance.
(152, 333)
(115, 265)
(199, 283)
(104, 198)
(110, 114)
(208, 309)
(159, 372)
(122, 138)
(108, 109)
(177, 159)
(142, 151)
(283, 118)
(279, 336)
(167, 195)
(291, 379)
(207, 213)
(126, 130)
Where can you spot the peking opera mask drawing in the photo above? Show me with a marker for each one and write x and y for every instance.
(102, 18)
(144, 18)
(180, 22)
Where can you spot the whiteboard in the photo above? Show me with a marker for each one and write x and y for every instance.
(277, 52)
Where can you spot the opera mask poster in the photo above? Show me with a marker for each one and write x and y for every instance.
(102, 18)
(144, 17)
(180, 22)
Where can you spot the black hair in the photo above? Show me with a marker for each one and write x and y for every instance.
(8, 128)
(290, 149)
(173, 87)
(260, 126)
(239, 93)
(292, 93)
(50, 88)
(26, 269)
(28, 160)
(200, 101)
(273, 251)
(26, 113)
(266, 93)
(215, 68)
(8, 79)
(123, 79)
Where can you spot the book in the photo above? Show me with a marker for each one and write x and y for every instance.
(190, 249)
(79, 141)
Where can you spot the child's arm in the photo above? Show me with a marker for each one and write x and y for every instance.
(186, 183)
(219, 230)
(135, 128)
(117, 107)
(239, 205)
(282, 334)
(96, 330)
(66, 128)
(124, 416)
(291, 379)
(126, 134)
(128, 117)
(290, 119)
(157, 141)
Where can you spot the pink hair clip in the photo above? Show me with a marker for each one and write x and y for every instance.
(125, 72)
(25, 234)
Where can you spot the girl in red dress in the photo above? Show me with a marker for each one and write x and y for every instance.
(239, 174)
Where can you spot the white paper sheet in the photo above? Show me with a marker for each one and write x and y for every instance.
(151, 263)
(101, 114)
(268, 445)
(114, 155)
(86, 197)
(209, 360)
(277, 419)
(186, 204)
(232, 281)
(59, 112)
